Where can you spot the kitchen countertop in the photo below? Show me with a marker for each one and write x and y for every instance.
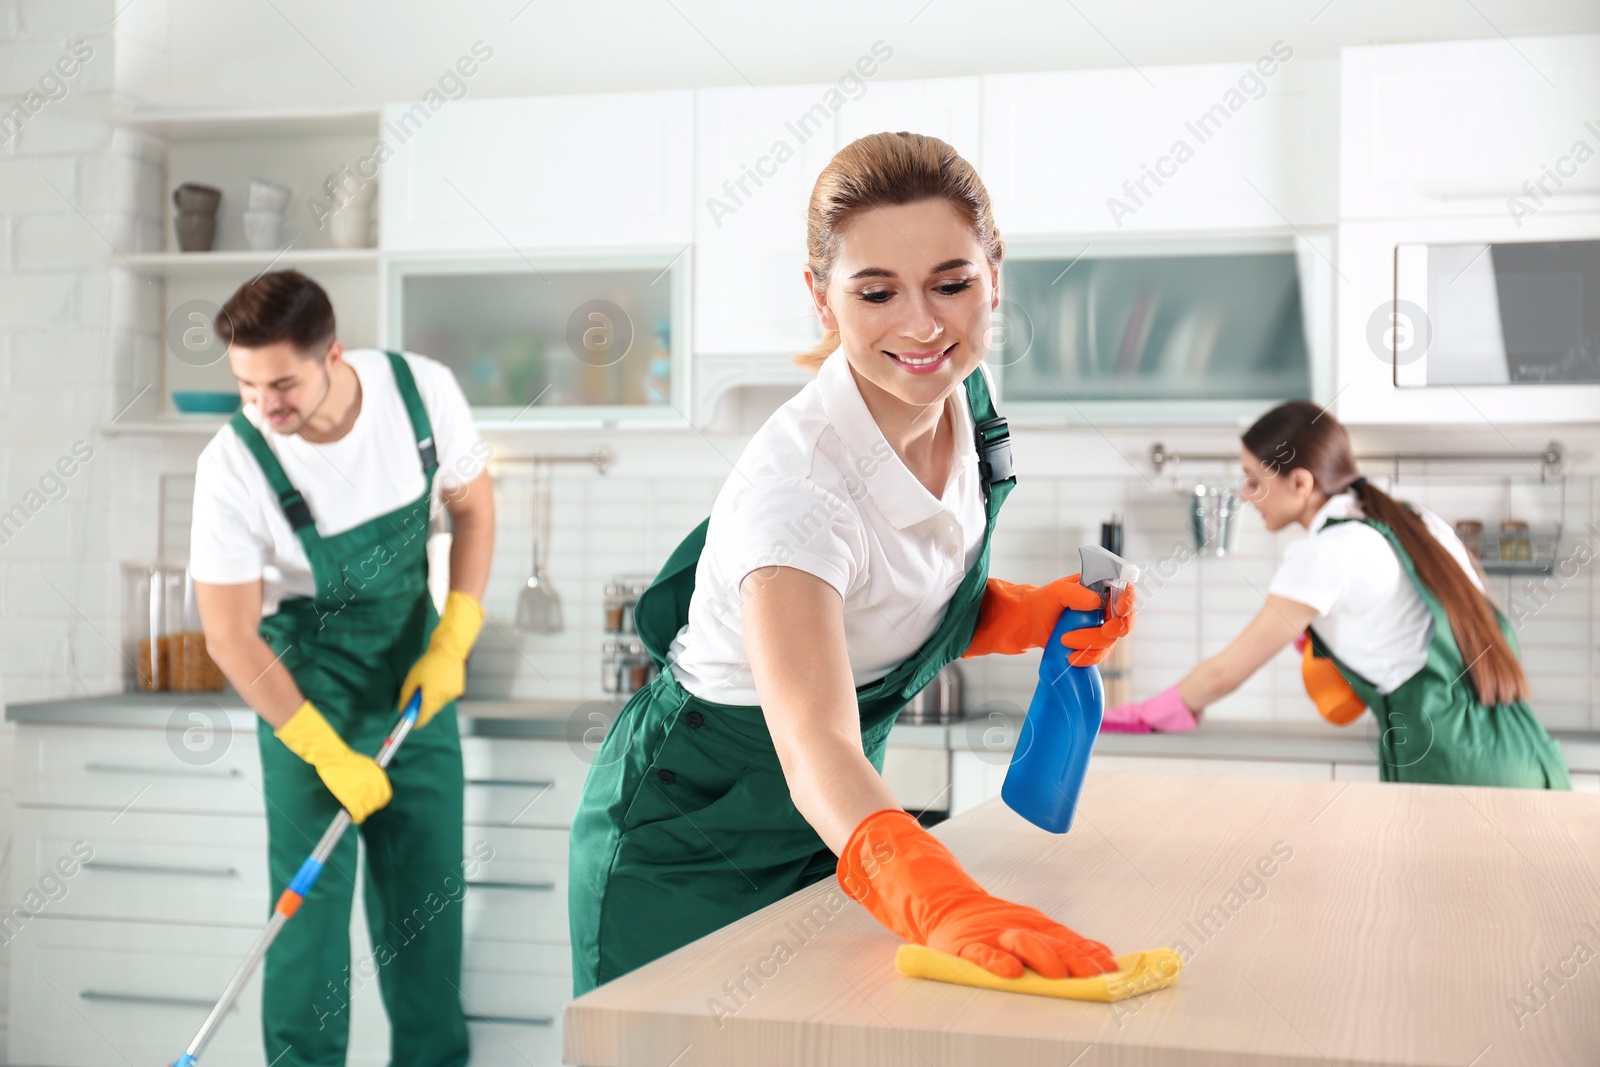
(568, 720)
(1321, 922)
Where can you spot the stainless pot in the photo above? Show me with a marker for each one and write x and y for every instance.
(939, 701)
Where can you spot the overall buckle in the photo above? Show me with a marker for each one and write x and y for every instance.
(995, 464)
(295, 509)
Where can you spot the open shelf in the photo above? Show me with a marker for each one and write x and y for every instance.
(190, 124)
(174, 263)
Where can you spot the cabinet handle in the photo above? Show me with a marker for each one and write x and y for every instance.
(148, 998)
(162, 772)
(515, 783)
(513, 1020)
(159, 868)
(533, 887)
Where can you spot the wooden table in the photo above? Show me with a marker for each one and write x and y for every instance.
(1323, 923)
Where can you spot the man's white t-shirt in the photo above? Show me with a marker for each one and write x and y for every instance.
(819, 489)
(239, 532)
(1369, 613)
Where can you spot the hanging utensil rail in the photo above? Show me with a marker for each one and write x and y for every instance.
(1549, 460)
(600, 457)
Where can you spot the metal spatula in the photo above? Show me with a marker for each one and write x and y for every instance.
(539, 605)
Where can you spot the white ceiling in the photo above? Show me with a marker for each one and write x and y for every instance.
(317, 53)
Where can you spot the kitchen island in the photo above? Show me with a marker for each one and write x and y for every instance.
(1321, 923)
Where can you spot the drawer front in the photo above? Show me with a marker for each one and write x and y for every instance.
(154, 867)
(524, 984)
(519, 893)
(522, 783)
(504, 1043)
(86, 994)
(206, 762)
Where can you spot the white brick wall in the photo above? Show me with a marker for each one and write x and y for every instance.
(57, 605)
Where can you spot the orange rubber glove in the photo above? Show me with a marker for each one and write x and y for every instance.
(1328, 690)
(912, 884)
(1018, 618)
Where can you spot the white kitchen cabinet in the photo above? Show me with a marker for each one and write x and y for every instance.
(950, 109)
(149, 931)
(522, 783)
(1355, 772)
(78, 766)
(88, 993)
(1365, 357)
(540, 172)
(919, 778)
(1455, 128)
(1213, 146)
(757, 155)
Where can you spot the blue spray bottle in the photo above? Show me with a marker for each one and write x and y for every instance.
(1052, 753)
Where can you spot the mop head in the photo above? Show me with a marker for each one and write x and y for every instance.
(1140, 972)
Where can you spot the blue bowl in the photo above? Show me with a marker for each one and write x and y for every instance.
(204, 402)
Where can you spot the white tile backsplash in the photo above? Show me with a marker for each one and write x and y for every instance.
(626, 521)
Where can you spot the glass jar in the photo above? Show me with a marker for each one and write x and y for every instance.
(152, 609)
(1470, 531)
(625, 667)
(622, 592)
(191, 667)
(1514, 541)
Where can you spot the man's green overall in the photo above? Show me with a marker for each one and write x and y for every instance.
(348, 647)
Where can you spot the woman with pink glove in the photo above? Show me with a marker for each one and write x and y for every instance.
(1392, 614)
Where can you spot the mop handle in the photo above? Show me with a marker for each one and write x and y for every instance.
(290, 899)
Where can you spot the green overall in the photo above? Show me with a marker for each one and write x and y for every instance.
(686, 824)
(348, 647)
(1433, 729)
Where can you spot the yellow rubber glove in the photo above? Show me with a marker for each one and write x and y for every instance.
(356, 781)
(442, 669)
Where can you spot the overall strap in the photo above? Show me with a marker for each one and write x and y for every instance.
(295, 508)
(420, 425)
(995, 464)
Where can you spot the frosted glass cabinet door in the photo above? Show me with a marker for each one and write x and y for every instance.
(528, 339)
(1146, 326)
(604, 169)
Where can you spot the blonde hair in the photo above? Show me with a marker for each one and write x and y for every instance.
(885, 170)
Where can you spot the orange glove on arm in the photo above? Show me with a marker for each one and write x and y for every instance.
(911, 883)
(1018, 618)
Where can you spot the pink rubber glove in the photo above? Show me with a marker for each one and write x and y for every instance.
(1165, 713)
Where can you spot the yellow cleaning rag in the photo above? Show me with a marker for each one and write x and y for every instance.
(1140, 972)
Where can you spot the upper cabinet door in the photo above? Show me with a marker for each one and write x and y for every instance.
(1493, 127)
(1229, 145)
(950, 109)
(758, 153)
(545, 172)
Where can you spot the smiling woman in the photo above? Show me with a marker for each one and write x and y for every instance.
(844, 564)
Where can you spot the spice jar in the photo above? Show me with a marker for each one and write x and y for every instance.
(1471, 533)
(1514, 541)
(625, 667)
